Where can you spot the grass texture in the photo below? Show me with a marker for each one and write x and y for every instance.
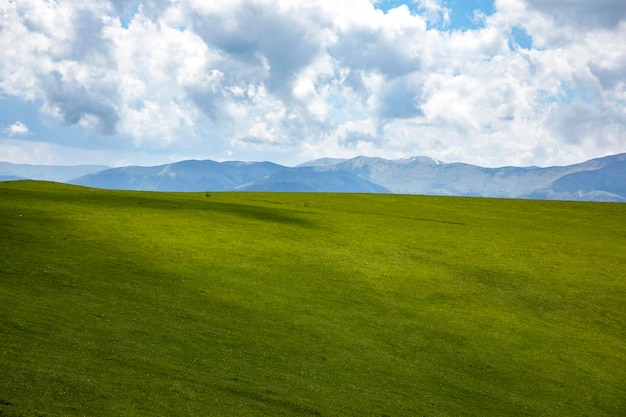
(245, 304)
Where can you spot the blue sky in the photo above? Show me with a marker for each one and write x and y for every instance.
(119, 82)
(461, 13)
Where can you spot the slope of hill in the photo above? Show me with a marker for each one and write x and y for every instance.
(322, 162)
(11, 178)
(227, 176)
(422, 175)
(123, 303)
(304, 180)
(180, 176)
(57, 173)
(608, 181)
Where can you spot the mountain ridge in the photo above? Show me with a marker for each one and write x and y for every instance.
(598, 179)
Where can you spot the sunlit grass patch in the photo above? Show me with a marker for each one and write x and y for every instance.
(128, 303)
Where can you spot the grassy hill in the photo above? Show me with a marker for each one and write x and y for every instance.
(118, 303)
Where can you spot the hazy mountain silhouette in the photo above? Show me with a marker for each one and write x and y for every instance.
(58, 173)
(600, 179)
(305, 180)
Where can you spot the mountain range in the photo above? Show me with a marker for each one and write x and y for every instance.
(601, 179)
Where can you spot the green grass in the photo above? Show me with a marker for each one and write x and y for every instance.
(143, 304)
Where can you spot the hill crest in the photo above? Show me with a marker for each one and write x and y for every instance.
(599, 179)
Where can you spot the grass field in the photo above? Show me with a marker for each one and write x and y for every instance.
(238, 304)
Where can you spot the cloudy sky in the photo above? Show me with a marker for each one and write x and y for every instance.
(493, 83)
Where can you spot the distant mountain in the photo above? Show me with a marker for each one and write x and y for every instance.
(225, 176)
(322, 162)
(601, 179)
(607, 183)
(305, 180)
(181, 176)
(57, 173)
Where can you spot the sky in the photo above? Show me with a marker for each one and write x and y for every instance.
(491, 83)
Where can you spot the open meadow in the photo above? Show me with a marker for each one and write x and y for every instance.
(119, 303)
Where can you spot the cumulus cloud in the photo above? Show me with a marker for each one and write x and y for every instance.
(606, 14)
(324, 77)
(75, 102)
(435, 12)
(17, 129)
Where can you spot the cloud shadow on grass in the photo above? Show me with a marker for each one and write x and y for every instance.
(261, 213)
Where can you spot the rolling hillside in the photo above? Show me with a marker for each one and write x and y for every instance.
(125, 303)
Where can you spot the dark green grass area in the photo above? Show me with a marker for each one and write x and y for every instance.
(174, 304)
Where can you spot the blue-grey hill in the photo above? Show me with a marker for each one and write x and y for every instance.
(600, 179)
(56, 173)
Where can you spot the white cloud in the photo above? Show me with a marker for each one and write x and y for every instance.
(298, 79)
(435, 12)
(17, 129)
(604, 14)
